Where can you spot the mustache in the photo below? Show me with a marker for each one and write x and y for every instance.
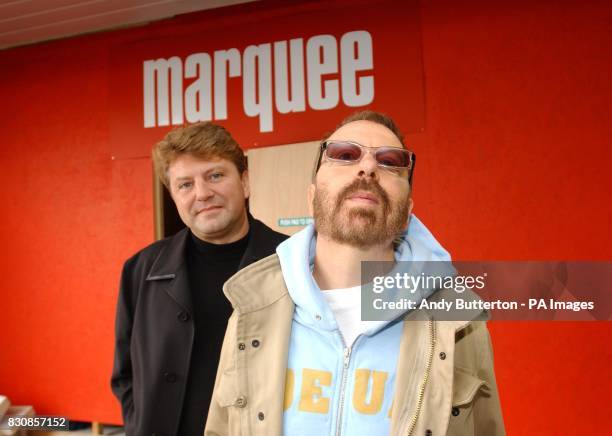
(364, 185)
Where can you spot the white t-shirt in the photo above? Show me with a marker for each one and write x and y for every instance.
(346, 305)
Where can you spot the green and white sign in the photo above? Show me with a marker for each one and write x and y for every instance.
(295, 221)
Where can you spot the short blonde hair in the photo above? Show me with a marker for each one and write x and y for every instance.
(204, 140)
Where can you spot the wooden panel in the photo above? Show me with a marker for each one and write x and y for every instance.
(279, 180)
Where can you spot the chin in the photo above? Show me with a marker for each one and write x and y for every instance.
(212, 227)
(364, 217)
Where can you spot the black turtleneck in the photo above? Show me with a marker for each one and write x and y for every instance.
(209, 266)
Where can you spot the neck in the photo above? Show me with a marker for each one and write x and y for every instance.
(339, 265)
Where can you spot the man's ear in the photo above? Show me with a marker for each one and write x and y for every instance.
(311, 194)
(245, 184)
(410, 205)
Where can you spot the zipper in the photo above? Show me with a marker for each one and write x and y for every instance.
(345, 365)
(432, 343)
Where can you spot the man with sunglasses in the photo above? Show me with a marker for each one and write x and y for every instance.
(298, 360)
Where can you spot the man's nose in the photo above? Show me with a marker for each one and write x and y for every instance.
(368, 167)
(203, 191)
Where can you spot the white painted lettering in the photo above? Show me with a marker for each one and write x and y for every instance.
(284, 73)
(257, 93)
(160, 69)
(224, 58)
(322, 58)
(356, 55)
(301, 80)
(198, 98)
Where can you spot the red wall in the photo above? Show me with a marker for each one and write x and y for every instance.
(513, 164)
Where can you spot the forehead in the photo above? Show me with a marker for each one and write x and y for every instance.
(187, 164)
(367, 133)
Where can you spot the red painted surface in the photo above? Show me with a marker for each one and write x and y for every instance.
(397, 58)
(513, 164)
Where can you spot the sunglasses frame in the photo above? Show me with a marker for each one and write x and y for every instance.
(323, 147)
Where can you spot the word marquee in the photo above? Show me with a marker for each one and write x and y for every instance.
(275, 76)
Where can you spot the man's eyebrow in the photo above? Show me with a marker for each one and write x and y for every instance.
(208, 171)
(215, 168)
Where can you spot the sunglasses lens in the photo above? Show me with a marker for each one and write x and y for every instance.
(351, 152)
(393, 157)
(343, 151)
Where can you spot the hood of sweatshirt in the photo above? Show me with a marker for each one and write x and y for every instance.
(297, 253)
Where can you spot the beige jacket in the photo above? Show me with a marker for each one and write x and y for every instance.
(445, 384)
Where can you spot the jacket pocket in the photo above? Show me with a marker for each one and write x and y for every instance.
(466, 389)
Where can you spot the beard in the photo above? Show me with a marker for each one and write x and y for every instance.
(359, 227)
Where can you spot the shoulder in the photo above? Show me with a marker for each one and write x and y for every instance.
(256, 285)
(473, 346)
(467, 326)
(147, 256)
(256, 272)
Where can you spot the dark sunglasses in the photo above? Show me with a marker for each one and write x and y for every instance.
(395, 159)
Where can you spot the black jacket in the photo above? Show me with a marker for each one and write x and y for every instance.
(154, 330)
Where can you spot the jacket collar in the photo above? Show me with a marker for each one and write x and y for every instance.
(171, 266)
(171, 259)
(256, 286)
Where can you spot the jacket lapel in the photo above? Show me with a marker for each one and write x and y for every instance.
(262, 242)
(257, 287)
(170, 269)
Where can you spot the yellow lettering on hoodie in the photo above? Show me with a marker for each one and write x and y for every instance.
(362, 382)
(311, 399)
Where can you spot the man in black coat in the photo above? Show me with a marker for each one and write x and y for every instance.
(171, 312)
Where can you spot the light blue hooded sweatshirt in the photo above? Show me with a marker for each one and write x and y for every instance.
(332, 388)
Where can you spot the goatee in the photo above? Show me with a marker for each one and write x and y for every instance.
(360, 227)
